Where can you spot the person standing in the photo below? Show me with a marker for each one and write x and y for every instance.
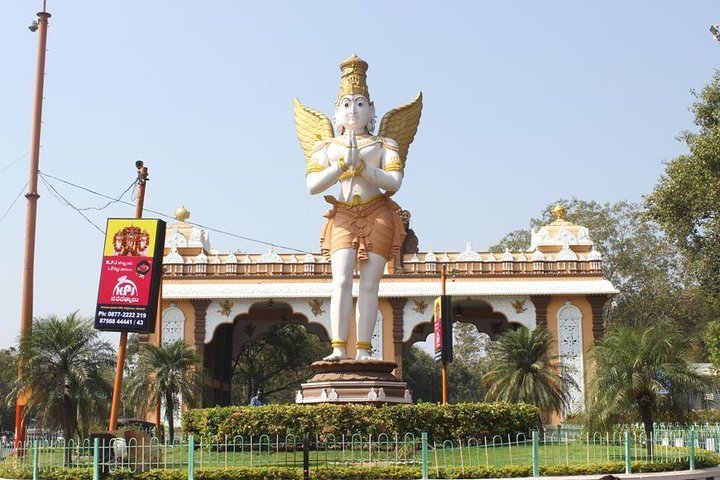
(258, 399)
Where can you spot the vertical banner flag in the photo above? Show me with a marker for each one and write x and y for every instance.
(443, 328)
(130, 275)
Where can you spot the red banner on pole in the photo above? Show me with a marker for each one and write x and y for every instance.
(443, 328)
(130, 275)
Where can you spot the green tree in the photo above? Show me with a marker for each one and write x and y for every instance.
(686, 199)
(422, 375)
(470, 362)
(68, 371)
(277, 362)
(640, 372)
(8, 376)
(524, 371)
(164, 374)
(712, 341)
(638, 259)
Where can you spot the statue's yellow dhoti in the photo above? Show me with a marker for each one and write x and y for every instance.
(373, 226)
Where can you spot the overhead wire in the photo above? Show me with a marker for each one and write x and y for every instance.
(161, 214)
(58, 195)
(14, 162)
(13, 202)
(115, 200)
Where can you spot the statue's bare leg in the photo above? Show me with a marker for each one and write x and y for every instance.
(371, 272)
(342, 263)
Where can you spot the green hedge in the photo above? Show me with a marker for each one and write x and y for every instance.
(706, 416)
(368, 473)
(439, 421)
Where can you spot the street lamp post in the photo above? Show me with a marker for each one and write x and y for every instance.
(26, 312)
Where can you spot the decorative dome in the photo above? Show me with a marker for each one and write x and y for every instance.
(186, 235)
(561, 232)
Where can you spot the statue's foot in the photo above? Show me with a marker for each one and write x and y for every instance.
(337, 354)
(363, 354)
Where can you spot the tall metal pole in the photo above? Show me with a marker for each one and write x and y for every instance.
(158, 338)
(119, 369)
(26, 311)
(443, 277)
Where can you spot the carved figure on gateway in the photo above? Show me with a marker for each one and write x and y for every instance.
(363, 229)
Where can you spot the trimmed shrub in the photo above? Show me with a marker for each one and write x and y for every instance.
(439, 421)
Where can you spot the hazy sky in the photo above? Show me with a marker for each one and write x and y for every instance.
(524, 102)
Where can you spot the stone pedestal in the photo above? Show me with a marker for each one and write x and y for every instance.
(354, 381)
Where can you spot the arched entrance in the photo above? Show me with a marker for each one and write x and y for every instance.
(478, 312)
(228, 339)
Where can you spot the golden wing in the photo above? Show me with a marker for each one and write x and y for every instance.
(312, 127)
(401, 124)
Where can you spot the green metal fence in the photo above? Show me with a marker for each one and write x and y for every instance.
(535, 450)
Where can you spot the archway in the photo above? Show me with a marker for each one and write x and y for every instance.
(229, 339)
(475, 311)
(423, 374)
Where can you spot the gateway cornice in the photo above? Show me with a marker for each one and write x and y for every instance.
(388, 289)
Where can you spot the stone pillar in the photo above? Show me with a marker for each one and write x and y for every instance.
(200, 310)
(397, 305)
(597, 304)
(541, 303)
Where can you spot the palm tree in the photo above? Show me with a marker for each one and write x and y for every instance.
(523, 370)
(642, 371)
(68, 370)
(164, 373)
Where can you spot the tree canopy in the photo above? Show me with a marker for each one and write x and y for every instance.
(638, 258)
(69, 371)
(8, 376)
(686, 199)
(275, 362)
(424, 377)
(524, 371)
(641, 372)
(165, 374)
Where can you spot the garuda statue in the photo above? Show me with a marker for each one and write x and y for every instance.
(363, 228)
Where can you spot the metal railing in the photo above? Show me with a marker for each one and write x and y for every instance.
(532, 451)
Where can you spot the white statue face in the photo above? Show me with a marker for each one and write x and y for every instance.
(354, 113)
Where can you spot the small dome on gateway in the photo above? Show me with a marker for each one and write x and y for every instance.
(560, 232)
(187, 235)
